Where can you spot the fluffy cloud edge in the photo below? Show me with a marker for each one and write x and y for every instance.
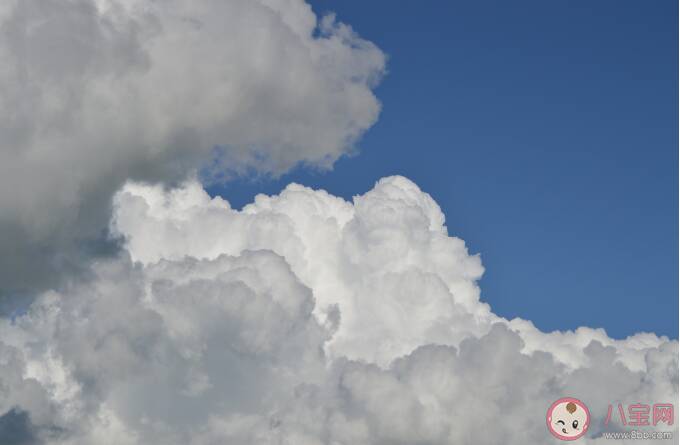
(96, 92)
(305, 319)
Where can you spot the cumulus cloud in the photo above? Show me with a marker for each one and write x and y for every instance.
(95, 92)
(301, 319)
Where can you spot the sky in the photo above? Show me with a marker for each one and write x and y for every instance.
(259, 222)
(547, 132)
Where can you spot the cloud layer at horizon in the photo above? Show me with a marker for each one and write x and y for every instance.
(301, 319)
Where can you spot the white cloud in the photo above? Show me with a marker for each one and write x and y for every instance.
(302, 319)
(385, 260)
(93, 93)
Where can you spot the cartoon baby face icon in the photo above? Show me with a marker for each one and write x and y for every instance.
(568, 418)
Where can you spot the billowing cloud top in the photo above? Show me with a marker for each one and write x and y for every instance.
(301, 319)
(93, 93)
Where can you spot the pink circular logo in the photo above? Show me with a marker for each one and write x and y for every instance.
(568, 418)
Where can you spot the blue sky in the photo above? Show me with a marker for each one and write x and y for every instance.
(547, 132)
